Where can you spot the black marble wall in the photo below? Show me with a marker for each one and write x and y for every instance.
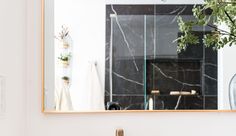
(141, 56)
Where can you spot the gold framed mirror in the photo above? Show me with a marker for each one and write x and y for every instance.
(122, 58)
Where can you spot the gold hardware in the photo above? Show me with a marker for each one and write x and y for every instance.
(155, 92)
(119, 132)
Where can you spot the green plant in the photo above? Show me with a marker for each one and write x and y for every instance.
(222, 13)
(65, 57)
(63, 34)
(65, 78)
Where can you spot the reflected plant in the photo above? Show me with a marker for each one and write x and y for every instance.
(66, 78)
(63, 34)
(221, 13)
(65, 57)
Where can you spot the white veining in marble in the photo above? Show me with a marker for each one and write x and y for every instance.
(210, 64)
(181, 11)
(129, 80)
(212, 78)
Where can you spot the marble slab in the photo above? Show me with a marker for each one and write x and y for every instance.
(141, 56)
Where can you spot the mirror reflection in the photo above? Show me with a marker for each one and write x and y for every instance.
(137, 69)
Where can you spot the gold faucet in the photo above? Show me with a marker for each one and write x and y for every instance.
(119, 132)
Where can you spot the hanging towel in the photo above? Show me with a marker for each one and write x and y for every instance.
(63, 98)
(94, 89)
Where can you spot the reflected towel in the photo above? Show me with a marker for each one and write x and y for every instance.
(94, 89)
(63, 99)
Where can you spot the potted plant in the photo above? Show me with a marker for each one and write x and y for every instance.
(63, 37)
(221, 12)
(65, 79)
(65, 58)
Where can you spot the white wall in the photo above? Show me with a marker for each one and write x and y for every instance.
(88, 43)
(226, 70)
(13, 65)
(49, 54)
(104, 124)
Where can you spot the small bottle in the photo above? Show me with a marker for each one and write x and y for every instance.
(150, 104)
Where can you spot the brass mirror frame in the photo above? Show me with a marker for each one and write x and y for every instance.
(43, 110)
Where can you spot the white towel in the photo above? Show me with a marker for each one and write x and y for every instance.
(94, 89)
(63, 98)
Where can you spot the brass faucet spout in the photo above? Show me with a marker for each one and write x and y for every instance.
(119, 132)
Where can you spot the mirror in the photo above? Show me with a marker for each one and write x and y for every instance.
(136, 68)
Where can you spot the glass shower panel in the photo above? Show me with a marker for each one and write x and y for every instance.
(163, 72)
(145, 65)
(163, 30)
(128, 61)
(176, 80)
